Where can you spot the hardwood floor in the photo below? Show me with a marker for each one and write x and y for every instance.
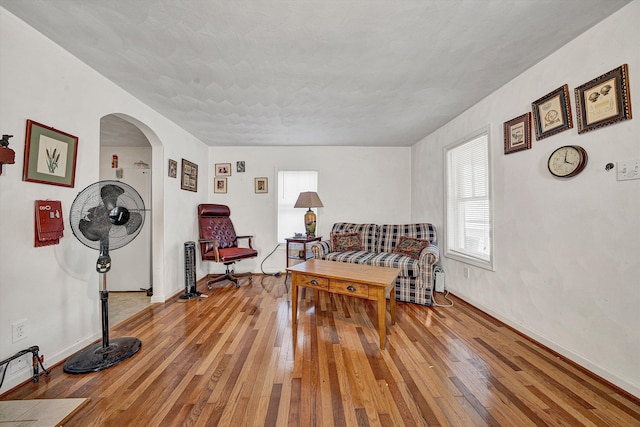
(233, 359)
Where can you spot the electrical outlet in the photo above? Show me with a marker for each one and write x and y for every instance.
(18, 365)
(19, 330)
(466, 272)
(628, 169)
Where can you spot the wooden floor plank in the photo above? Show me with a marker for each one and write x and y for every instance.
(235, 359)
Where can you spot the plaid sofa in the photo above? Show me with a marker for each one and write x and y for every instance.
(414, 283)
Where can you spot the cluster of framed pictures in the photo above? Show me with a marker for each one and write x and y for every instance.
(189, 176)
(599, 102)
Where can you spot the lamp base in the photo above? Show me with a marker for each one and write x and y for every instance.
(310, 223)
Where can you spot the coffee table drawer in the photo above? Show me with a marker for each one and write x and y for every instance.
(312, 281)
(349, 288)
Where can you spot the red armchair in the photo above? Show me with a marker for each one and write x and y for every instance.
(219, 242)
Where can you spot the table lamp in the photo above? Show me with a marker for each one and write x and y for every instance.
(309, 199)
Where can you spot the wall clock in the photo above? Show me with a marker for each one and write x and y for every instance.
(567, 161)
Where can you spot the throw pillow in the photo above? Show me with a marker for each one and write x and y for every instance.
(343, 242)
(410, 246)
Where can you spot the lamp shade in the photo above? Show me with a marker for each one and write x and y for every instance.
(308, 199)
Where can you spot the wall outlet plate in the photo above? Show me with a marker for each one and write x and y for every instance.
(18, 365)
(19, 330)
(628, 169)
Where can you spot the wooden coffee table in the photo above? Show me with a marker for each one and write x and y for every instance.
(362, 281)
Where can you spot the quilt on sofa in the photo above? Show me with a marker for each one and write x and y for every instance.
(378, 243)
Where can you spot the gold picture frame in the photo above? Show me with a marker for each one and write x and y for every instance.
(261, 185)
(604, 100)
(219, 185)
(173, 168)
(223, 169)
(517, 134)
(189, 176)
(552, 113)
(49, 155)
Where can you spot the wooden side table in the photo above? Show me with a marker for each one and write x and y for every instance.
(302, 255)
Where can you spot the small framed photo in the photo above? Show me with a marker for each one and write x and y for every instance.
(173, 168)
(261, 185)
(189, 176)
(604, 100)
(219, 185)
(240, 166)
(517, 134)
(49, 155)
(223, 169)
(552, 113)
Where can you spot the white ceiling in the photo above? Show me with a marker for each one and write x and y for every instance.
(311, 72)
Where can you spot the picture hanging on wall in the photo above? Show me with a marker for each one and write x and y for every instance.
(240, 166)
(223, 169)
(261, 185)
(517, 134)
(173, 168)
(49, 155)
(189, 176)
(552, 113)
(220, 185)
(603, 100)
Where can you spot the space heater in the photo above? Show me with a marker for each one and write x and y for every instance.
(190, 290)
(438, 276)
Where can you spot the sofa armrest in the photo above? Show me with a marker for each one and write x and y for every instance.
(430, 255)
(321, 248)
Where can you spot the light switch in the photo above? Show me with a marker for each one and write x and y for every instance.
(628, 169)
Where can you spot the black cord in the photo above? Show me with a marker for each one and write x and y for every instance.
(265, 258)
(34, 351)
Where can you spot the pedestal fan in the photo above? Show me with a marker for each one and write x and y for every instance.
(105, 215)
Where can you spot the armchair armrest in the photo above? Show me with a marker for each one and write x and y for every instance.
(321, 248)
(430, 255)
(246, 237)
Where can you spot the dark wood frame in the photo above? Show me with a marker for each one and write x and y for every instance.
(189, 176)
(552, 113)
(611, 88)
(39, 153)
(522, 122)
(217, 180)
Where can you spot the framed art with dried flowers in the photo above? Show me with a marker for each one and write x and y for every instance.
(604, 100)
(552, 113)
(49, 155)
(517, 134)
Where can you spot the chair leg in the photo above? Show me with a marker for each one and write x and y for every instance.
(228, 275)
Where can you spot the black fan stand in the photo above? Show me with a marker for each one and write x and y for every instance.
(99, 356)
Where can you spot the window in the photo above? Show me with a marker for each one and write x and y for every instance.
(468, 202)
(290, 185)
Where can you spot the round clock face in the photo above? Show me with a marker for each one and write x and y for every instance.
(567, 161)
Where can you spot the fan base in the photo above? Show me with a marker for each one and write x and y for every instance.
(96, 357)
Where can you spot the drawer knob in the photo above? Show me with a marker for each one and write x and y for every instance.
(314, 282)
(351, 288)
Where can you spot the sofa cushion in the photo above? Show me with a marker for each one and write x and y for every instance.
(343, 242)
(367, 231)
(410, 246)
(389, 235)
(408, 266)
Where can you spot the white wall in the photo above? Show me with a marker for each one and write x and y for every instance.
(355, 184)
(567, 251)
(56, 287)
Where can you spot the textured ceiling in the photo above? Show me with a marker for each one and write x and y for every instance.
(276, 72)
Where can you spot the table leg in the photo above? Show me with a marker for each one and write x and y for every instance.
(392, 302)
(294, 299)
(382, 311)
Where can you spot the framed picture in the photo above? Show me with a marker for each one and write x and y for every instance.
(223, 169)
(219, 185)
(517, 134)
(173, 168)
(49, 155)
(261, 185)
(240, 166)
(552, 113)
(189, 176)
(604, 100)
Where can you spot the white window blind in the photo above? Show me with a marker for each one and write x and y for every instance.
(290, 185)
(468, 204)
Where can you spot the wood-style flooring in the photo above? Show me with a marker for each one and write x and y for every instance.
(233, 359)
